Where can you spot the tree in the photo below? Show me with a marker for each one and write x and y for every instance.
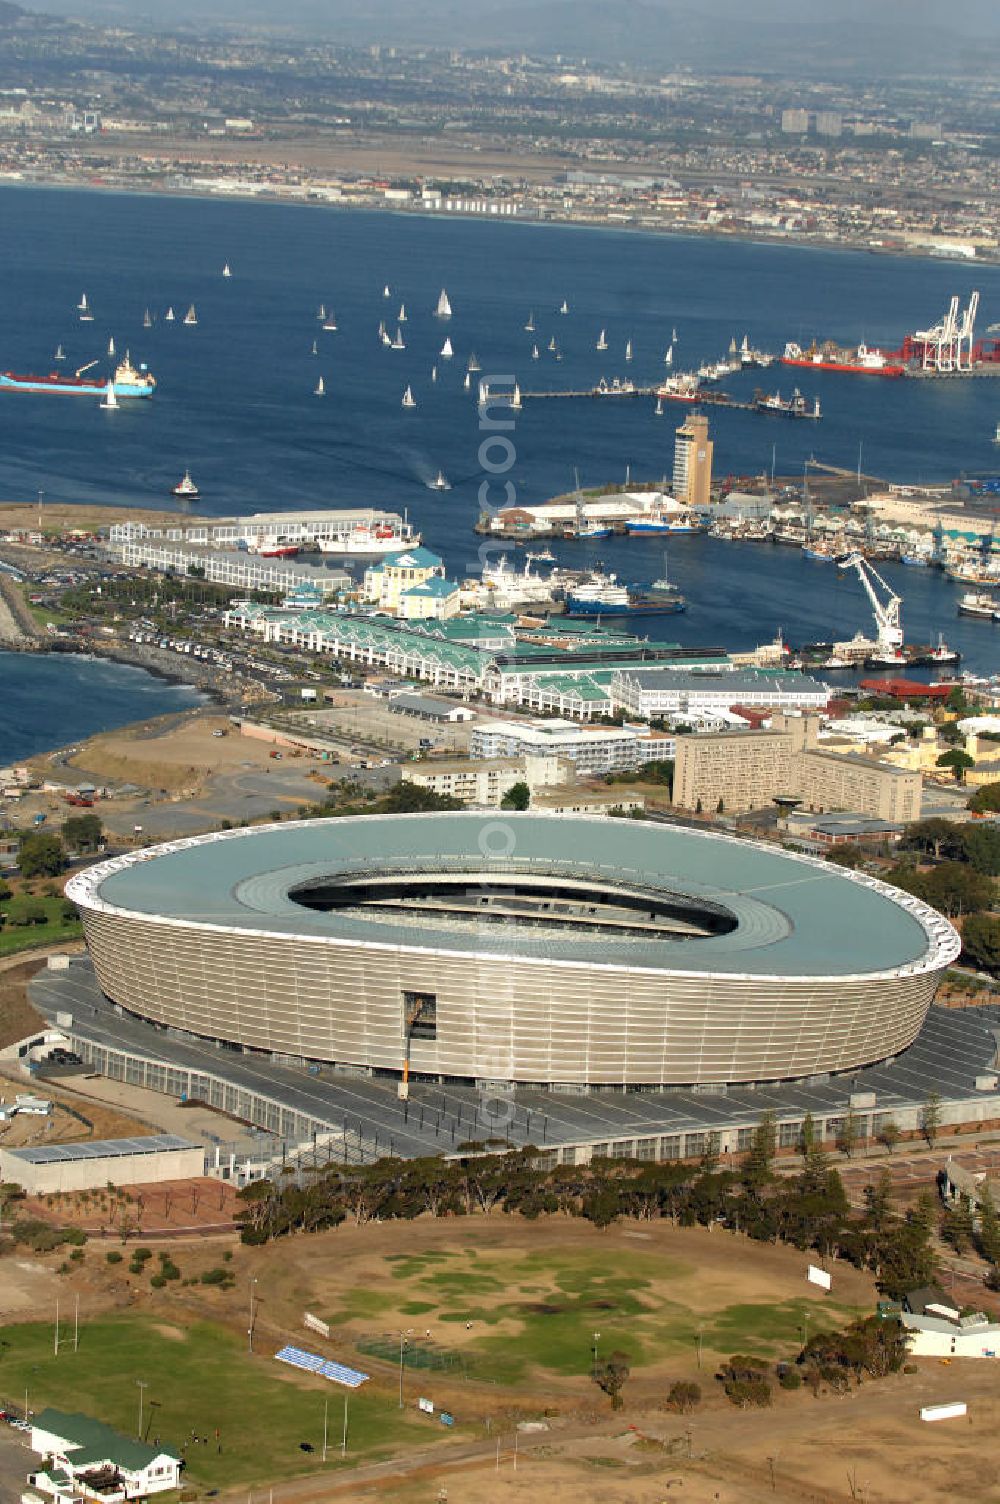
(956, 1225)
(981, 941)
(41, 854)
(411, 798)
(987, 1233)
(611, 1376)
(683, 1396)
(930, 1118)
(518, 796)
(985, 800)
(83, 832)
(958, 760)
(757, 1170)
(980, 846)
(848, 1134)
(889, 1135)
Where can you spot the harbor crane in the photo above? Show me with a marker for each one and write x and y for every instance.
(948, 344)
(887, 611)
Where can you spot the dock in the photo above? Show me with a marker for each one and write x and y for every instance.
(706, 397)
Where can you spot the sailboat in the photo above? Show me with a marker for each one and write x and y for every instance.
(226, 271)
(668, 359)
(515, 398)
(443, 310)
(473, 362)
(530, 325)
(169, 316)
(534, 352)
(602, 341)
(110, 400)
(467, 383)
(659, 407)
(330, 322)
(628, 349)
(86, 317)
(384, 336)
(564, 306)
(552, 344)
(673, 336)
(402, 313)
(60, 353)
(147, 320)
(315, 349)
(996, 436)
(111, 345)
(439, 483)
(321, 313)
(185, 488)
(408, 398)
(191, 318)
(446, 351)
(434, 373)
(320, 388)
(386, 291)
(397, 343)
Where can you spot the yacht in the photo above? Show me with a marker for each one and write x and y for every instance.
(191, 318)
(443, 310)
(226, 271)
(530, 325)
(439, 483)
(320, 388)
(185, 488)
(408, 398)
(602, 341)
(168, 317)
(60, 353)
(446, 350)
(83, 307)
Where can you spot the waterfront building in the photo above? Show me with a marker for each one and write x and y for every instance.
(693, 462)
(651, 692)
(593, 750)
(386, 581)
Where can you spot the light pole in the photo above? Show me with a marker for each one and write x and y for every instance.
(597, 1338)
(326, 1419)
(402, 1348)
(343, 1444)
(253, 1283)
(143, 1386)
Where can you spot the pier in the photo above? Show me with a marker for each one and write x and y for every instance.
(705, 397)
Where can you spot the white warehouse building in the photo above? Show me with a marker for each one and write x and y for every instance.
(664, 692)
(592, 749)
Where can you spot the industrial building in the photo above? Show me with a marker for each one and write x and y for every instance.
(749, 770)
(95, 1163)
(549, 951)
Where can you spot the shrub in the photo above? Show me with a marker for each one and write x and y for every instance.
(215, 1276)
(158, 1281)
(745, 1393)
(74, 1235)
(791, 1379)
(37, 1235)
(683, 1396)
(77, 1255)
(140, 1255)
(114, 1257)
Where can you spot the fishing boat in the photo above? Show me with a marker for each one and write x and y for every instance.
(147, 320)
(443, 309)
(191, 318)
(278, 548)
(534, 352)
(628, 349)
(226, 270)
(110, 402)
(397, 343)
(168, 317)
(60, 353)
(594, 530)
(439, 483)
(83, 307)
(602, 341)
(530, 325)
(564, 306)
(683, 387)
(446, 350)
(473, 362)
(408, 398)
(320, 388)
(111, 345)
(330, 323)
(185, 488)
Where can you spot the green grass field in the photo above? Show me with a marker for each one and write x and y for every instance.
(540, 1311)
(201, 1379)
(27, 937)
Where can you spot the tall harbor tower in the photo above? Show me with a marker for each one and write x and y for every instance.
(693, 462)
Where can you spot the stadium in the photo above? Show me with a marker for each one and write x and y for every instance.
(540, 950)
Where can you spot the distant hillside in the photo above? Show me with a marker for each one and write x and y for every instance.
(9, 13)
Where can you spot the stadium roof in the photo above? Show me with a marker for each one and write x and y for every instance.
(102, 1148)
(795, 916)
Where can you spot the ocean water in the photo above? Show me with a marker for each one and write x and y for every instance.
(50, 699)
(235, 396)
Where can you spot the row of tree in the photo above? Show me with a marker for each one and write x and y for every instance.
(808, 1210)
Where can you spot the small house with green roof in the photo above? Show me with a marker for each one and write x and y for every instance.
(85, 1457)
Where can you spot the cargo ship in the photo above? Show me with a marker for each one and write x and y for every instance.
(127, 381)
(864, 361)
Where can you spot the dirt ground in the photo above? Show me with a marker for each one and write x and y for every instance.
(105, 1121)
(175, 754)
(56, 516)
(18, 1018)
(173, 1207)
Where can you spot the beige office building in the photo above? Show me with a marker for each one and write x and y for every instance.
(487, 780)
(750, 769)
(693, 462)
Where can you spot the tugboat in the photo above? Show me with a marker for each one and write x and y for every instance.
(439, 483)
(186, 488)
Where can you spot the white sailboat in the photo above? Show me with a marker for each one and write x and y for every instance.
(534, 352)
(401, 316)
(530, 325)
(315, 348)
(147, 320)
(628, 349)
(552, 344)
(659, 407)
(467, 383)
(169, 316)
(227, 270)
(330, 322)
(397, 343)
(673, 336)
(446, 351)
(387, 291)
(515, 398)
(473, 362)
(191, 318)
(564, 306)
(111, 345)
(602, 341)
(408, 398)
(434, 373)
(110, 400)
(443, 310)
(320, 388)
(60, 353)
(384, 337)
(321, 313)
(86, 317)
(668, 359)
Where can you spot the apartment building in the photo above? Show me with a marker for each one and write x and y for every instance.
(593, 750)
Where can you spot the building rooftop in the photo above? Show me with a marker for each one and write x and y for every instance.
(93, 1441)
(734, 680)
(790, 915)
(101, 1148)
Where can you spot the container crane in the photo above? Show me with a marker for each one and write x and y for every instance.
(887, 611)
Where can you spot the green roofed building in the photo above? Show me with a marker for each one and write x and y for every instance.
(83, 1455)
